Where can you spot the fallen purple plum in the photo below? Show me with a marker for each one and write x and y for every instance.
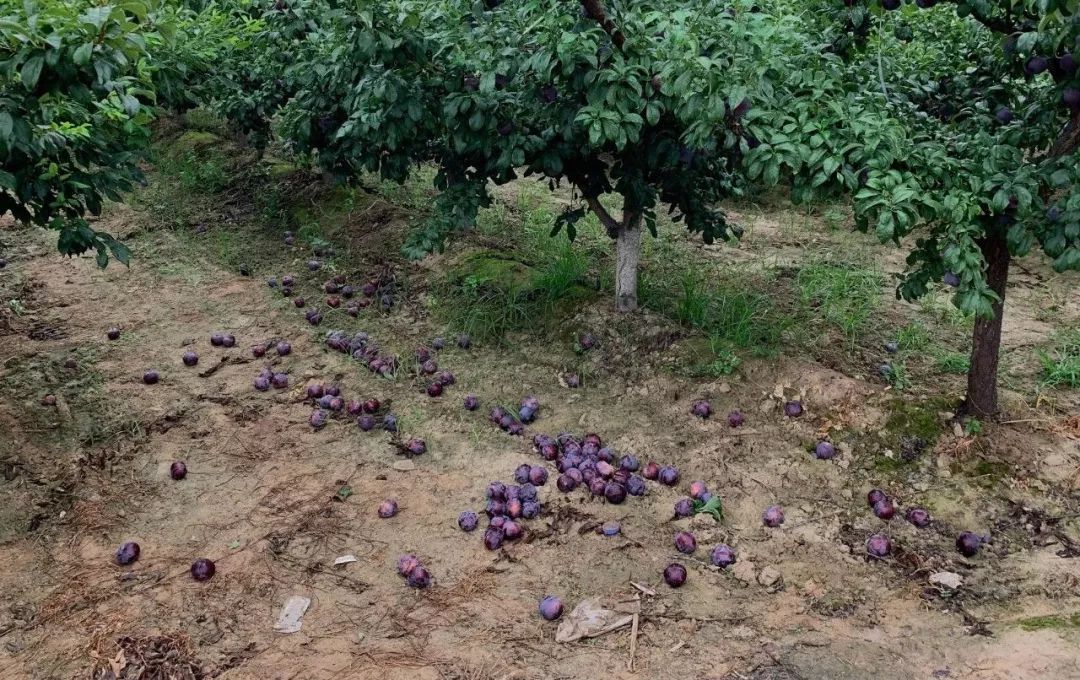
(566, 483)
(178, 470)
(415, 447)
(190, 358)
(151, 377)
(365, 422)
(551, 608)
(434, 390)
(280, 380)
(315, 391)
(261, 383)
(675, 575)
(685, 542)
(468, 520)
(884, 509)
(229, 340)
(878, 546)
(258, 351)
(538, 476)
(471, 402)
(698, 489)
(521, 473)
(388, 508)
(701, 408)
(635, 486)
(968, 543)
(651, 471)
(614, 492)
(573, 380)
(683, 508)
(354, 407)
(722, 556)
(668, 476)
(203, 569)
(406, 563)
(127, 553)
(918, 516)
(217, 339)
(873, 496)
(464, 342)
(389, 423)
(113, 333)
(418, 577)
(824, 451)
(793, 409)
(283, 348)
(773, 516)
(371, 406)
(493, 537)
(736, 419)
(48, 400)
(512, 530)
(318, 419)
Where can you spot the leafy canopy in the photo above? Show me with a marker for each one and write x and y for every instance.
(75, 86)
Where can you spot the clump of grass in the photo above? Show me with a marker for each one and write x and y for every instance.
(913, 337)
(952, 362)
(1061, 364)
(201, 171)
(732, 307)
(843, 296)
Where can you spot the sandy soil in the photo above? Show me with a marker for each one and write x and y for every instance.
(264, 499)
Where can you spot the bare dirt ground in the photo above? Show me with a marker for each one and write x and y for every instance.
(274, 502)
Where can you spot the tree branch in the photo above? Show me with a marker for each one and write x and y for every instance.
(612, 225)
(1069, 139)
(594, 9)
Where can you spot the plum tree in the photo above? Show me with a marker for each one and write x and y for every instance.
(75, 96)
(959, 133)
(634, 106)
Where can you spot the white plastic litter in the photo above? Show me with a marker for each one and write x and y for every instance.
(291, 617)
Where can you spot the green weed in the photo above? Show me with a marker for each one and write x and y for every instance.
(843, 296)
(952, 362)
(1061, 364)
(913, 337)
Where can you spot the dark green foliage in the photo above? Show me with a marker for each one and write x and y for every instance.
(74, 111)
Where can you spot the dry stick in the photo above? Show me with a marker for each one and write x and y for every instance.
(633, 641)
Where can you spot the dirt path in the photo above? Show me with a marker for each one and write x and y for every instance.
(274, 503)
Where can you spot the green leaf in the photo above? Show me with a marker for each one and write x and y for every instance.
(7, 124)
(31, 71)
(82, 54)
(712, 507)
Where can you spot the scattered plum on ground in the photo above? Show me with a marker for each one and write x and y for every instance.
(551, 608)
(388, 508)
(675, 575)
(190, 358)
(918, 516)
(722, 556)
(773, 516)
(151, 377)
(968, 543)
(878, 546)
(178, 470)
(685, 542)
(127, 553)
(418, 577)
(701, 408)
(824, 451)
(203, 569)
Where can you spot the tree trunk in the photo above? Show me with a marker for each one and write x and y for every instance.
(982, 401)
(628, 247)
